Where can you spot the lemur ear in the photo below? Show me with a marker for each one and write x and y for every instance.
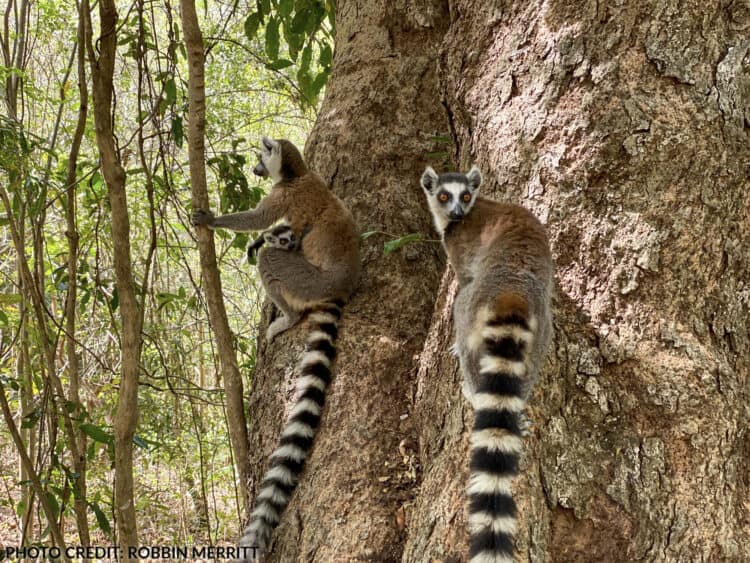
(474, 176)
(429, 179)
(269, 144)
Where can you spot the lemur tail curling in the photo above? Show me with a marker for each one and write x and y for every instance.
(496, 443)
(288, 460)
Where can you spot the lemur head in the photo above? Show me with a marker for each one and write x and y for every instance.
(281, 236)
(450, 196)
(279, 160)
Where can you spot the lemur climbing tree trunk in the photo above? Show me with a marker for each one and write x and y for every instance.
(377, 126)
(230, 373)
(625, 128)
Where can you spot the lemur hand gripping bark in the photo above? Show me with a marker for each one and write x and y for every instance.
(314, 279)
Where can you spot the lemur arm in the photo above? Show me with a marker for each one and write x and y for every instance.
(268, 211)
(255, 246)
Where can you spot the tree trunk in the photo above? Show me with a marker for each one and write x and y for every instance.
(624, 127)
(621, 126)
(71, 301)
(217, 312)
(126, 416)
(371, 141)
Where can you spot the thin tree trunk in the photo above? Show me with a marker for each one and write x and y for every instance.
(217, 313)
(627, 134)
(34, 478)
(79, 463)
(126, 416)
(380, 120)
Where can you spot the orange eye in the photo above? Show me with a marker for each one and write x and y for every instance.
(467, 198)
(443, 198)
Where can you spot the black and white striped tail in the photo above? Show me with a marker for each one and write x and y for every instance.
(496, 443)
(288, 460)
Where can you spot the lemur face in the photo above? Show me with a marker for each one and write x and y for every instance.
(450, 196)
(270, 159)
(281, 237)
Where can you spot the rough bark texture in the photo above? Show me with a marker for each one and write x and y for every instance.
(623, 126)
(230, 372)
(370, 140)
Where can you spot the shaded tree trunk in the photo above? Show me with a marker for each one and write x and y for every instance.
(621, 127)
(71, 301)
(625, 129)
(370, 142)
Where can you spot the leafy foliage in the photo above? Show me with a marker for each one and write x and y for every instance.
(308, 28)
(265, 73)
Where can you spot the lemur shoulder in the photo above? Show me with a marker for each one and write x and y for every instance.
(502, 316)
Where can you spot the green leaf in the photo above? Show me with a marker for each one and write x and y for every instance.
(285, 7)
(240, 241)
(264, 6)
(279, 64)
(114, 302)
(101, 518)
(299, 21)
(53, 503)
(140, 442)
(393, 245)
(272, 39)
(368, 234)
(97, 433)
(170, 90)
(304, 64)
(326, 55)
(252, 22)
(177, 131)
(317, 85)
(331, 11)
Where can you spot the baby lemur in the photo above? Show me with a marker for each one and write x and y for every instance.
(503, 325)
(315, 280)
(281, 236)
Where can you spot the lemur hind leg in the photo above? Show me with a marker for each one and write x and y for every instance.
(293, 284)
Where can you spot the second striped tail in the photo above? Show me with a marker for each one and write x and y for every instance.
(288, 460)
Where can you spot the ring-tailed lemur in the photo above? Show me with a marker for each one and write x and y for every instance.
(316, 281)
(281, 236)
(503, 326)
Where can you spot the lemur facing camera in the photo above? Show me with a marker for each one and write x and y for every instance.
(316, 281)
(503, 324)
(281, 236)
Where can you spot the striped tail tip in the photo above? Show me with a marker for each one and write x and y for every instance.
(288, 460)
(496, 440)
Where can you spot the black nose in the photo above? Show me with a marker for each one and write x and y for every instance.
(260, 170)
(456, 214)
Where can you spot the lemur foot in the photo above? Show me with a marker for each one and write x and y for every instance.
(277, 327)
(280, 325)
(453, 350)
